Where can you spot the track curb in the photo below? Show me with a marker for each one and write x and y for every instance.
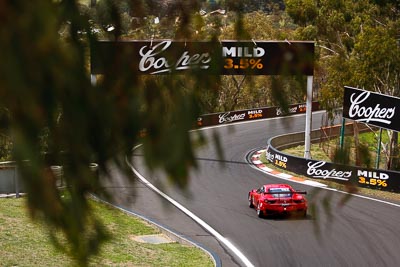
(255, 159)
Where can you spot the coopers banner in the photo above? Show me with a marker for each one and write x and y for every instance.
(363, 177)
(219, 58)
(252, 114)
(371, 108)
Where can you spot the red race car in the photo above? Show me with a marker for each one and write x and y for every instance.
(273, 199)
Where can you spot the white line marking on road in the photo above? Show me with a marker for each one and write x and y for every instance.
(364, 197)
(211, 230)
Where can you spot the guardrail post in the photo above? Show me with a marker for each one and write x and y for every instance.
(307, 137)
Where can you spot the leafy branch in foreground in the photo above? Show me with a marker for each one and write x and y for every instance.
(46, 88)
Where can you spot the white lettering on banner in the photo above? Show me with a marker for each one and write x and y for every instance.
(302, 106)
(291, 110)
(376, 114)
(270, 156)
(252, 112)
(243, 52)
(281, 158)
(315, 171)
(226, 118)
(373, 174)
(150, 61)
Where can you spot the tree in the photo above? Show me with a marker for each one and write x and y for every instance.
(46, 89)
(377, 57)
(303, 12)
(356, 43)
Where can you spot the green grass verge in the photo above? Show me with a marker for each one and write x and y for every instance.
(26, 243)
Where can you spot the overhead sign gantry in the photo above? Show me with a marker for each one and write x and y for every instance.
(164, 57)
(220, 58)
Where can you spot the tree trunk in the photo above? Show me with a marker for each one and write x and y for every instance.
(238, 87)
(92, 3)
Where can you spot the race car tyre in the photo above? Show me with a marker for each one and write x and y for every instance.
(259, 212)
(251, 201)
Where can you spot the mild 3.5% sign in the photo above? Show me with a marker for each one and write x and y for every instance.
(372, 181)
(244, 63)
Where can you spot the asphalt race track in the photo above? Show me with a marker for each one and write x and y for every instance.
(362, 232)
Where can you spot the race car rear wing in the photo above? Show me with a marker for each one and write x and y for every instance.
(286, 193)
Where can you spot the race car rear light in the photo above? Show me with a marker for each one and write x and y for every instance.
(298, 201)
(269, 201)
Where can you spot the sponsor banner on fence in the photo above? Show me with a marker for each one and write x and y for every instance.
(252, 114)
(371, 108)
(363, 177)
(219, 58)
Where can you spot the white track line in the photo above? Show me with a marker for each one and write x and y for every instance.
(202, 223)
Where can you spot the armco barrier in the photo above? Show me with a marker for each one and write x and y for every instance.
(363, 177)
